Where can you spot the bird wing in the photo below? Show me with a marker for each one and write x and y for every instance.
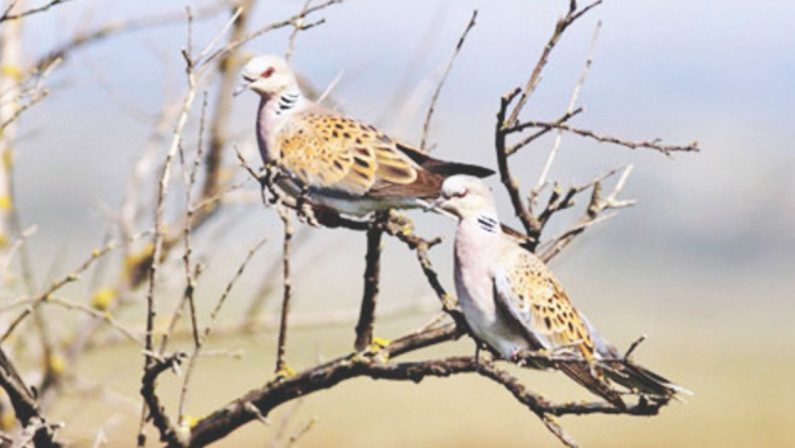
(324, 150)
(528, 292)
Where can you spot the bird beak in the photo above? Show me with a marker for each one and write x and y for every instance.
(434, 205)
(245, 85)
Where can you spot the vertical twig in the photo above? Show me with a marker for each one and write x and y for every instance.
(297, 27)
(575, 94)
(427, 124)
(535, 77)
(227, 68)
(372, 272)
(287, 291)
(200, 339)
(511, 184)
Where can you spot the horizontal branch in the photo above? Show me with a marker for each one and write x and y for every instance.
(647, 144)
(239, 412)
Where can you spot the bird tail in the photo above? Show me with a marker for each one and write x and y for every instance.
(640, 380)
(593, 381)
(442, 167)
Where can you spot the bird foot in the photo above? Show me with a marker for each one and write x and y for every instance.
(306, 214)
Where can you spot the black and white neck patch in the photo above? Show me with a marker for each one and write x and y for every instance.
(488, 223)
(287, 101)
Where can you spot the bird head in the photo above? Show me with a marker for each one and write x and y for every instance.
(465, 196)
(268, 75)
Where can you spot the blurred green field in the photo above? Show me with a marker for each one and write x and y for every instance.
(741, 380)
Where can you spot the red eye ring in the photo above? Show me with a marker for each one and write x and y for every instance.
(455, 194)
(267, 73)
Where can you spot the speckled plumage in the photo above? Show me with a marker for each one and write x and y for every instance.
(340, 162)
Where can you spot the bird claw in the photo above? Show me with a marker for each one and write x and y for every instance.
(306, 214)
(517, 358)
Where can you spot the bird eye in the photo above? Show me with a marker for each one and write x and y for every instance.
(267, 73)
(461, 194)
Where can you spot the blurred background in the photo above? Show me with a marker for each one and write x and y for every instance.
(703, 264)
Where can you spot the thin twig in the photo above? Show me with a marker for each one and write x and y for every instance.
(58, 284)
(284, 214)
(199, 340)
(297, 27)
(427, 124)
(8, 16)
(645, 144)
(575, 94)
(535, 77)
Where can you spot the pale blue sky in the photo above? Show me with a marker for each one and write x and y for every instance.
(718, 72)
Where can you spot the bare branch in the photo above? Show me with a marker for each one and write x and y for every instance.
(511, 184)
(157, 414)
(268, 28)
(281, 365)
(199, 340)
(372, 272)
(298, 25)
(648, 144)
(123, 26)
(535, 77)
(58, 284)
(7, 15)
(427, 124)
(542, 179)
(25, 404)
(593, 214)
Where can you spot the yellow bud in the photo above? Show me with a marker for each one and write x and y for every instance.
(5, 203)
(381, 342)
(285, 373)
(8, 158)
(57, 364)
(7, 419)
(190, 420)
(103, 298)
(3, 240)
(12, 71)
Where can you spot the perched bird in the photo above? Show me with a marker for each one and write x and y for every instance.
(337, 162)
(512, 302)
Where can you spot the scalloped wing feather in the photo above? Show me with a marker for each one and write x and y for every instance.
(329, 151)
(531, 294)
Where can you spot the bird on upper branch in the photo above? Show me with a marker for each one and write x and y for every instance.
(336, 162)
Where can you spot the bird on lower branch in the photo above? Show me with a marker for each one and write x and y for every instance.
(513, 303)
